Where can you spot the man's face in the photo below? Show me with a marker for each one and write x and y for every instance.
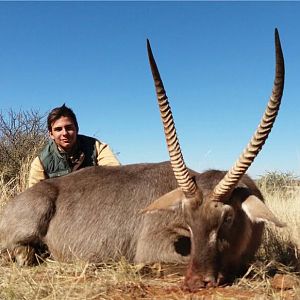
(64, 133)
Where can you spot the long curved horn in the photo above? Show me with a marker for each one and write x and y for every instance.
(227, 184)
(184, 180)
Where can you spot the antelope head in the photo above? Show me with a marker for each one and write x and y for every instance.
(222, 220)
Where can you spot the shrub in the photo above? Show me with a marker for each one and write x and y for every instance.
(274, 182)
(22, 134)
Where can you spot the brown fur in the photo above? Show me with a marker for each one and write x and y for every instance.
(94, 215)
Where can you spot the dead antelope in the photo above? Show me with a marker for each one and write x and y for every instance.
(210, 221)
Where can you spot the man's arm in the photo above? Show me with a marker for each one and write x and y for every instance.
(105, 156)
(36, 172)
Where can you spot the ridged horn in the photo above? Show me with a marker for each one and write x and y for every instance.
(184, 180)
(227, 184)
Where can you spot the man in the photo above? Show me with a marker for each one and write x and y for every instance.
(68, 151)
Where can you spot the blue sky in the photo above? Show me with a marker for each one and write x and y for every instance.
(216, 60)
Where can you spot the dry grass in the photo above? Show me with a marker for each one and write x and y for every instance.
(54, 280)
(283, 244)
(121, 280)
(17, 184)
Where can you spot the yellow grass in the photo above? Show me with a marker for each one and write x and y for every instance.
(287, 208)
(283, 244)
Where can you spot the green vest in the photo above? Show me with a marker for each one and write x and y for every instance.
(56, 163)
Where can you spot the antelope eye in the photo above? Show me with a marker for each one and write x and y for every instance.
(228, 218)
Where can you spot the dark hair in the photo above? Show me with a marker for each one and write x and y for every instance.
(58, 112)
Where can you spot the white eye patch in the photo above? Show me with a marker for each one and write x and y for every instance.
(212, 238)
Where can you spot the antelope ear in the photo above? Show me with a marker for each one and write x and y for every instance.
(257, 211)
(169, 201)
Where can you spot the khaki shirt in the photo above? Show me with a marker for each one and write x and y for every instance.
(105, 157)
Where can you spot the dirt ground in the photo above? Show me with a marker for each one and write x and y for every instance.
(230, 293)
(283, 287)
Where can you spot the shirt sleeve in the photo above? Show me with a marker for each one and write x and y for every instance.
(105, 156)
(36, 172)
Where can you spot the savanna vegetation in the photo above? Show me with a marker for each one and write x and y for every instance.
(273, 275)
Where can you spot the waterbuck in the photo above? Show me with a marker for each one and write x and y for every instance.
(152, 212)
